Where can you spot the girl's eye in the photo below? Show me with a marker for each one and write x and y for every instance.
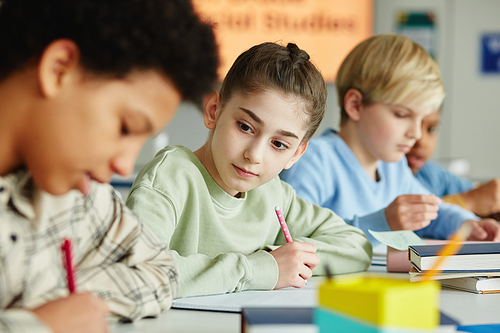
(432, 129)
(280, 145)
(400, 114)
(244, 127)
(124, 129)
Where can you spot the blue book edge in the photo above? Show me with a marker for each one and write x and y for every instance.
(487, 328)
(466, 249)
(276, 315)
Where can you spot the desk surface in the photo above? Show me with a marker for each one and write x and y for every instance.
(184, 321)
(467, 308)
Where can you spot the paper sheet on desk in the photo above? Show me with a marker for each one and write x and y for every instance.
(234, 302)
(399, 240)
(395, 244)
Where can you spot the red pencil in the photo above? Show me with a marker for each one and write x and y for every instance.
(68, 265)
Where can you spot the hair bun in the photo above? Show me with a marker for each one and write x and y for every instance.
(297, 55)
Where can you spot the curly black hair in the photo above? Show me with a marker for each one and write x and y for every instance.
(115, 37)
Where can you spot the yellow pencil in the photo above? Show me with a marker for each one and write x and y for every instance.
(448, 250)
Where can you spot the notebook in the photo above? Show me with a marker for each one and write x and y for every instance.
(416, 276)
(234, 302)
(475, 284)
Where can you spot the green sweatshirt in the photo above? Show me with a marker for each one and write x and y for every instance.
(220, 243)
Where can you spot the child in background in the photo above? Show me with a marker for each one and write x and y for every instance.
(386, 86)
(83, 84)
(216, 207)
(483, 200)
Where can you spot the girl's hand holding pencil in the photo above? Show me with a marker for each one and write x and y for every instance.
(295, 260)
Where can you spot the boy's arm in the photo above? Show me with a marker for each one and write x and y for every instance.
(126, 265)
(344, 248)
(484, 200)
(441, 182)
(450, 217)
(456, 199)
(199, 273)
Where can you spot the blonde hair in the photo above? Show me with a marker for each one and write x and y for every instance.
(390, 69)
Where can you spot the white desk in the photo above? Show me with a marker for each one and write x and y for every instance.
(467, 308)
(184, 321)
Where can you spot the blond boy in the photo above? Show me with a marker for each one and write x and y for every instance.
(385, 87)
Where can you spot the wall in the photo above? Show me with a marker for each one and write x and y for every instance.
(471, 115)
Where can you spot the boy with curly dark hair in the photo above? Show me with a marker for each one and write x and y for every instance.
(83, 84)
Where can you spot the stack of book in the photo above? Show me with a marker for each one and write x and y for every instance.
(475, 268)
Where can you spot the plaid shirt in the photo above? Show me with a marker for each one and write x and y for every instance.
(116, 256)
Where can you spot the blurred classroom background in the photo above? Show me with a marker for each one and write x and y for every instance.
(463, 36)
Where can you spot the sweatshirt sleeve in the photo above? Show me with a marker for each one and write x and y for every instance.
(126, 265)
(344, 248)
(21, 321)
(227, 272)
(449, 219)
(442, 182)
(199, 273)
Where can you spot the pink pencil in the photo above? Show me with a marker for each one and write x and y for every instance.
(68, 264)
(283, 225)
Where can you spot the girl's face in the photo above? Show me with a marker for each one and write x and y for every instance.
(387, 132)
(254, 138)
(95, 127)
(423, 148)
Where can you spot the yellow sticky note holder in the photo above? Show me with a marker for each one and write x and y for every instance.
(383, 301)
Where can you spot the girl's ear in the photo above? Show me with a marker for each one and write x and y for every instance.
(353, 101)
(57, 63)
(298, 153)
(210, 106)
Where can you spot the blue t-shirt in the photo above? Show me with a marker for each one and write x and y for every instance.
(441, 182)
(330, 175)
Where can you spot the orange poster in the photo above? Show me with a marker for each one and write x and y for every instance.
(326, 29)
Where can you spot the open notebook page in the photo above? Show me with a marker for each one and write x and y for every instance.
(234, 302)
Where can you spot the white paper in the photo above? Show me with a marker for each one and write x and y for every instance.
(400, 240)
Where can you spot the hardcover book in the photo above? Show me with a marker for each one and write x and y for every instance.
(475, 284)
(472, 257)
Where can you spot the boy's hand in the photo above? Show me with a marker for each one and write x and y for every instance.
(83, 312)
(484, 230)
(296, 261)
(485, 199)
(412, 211)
